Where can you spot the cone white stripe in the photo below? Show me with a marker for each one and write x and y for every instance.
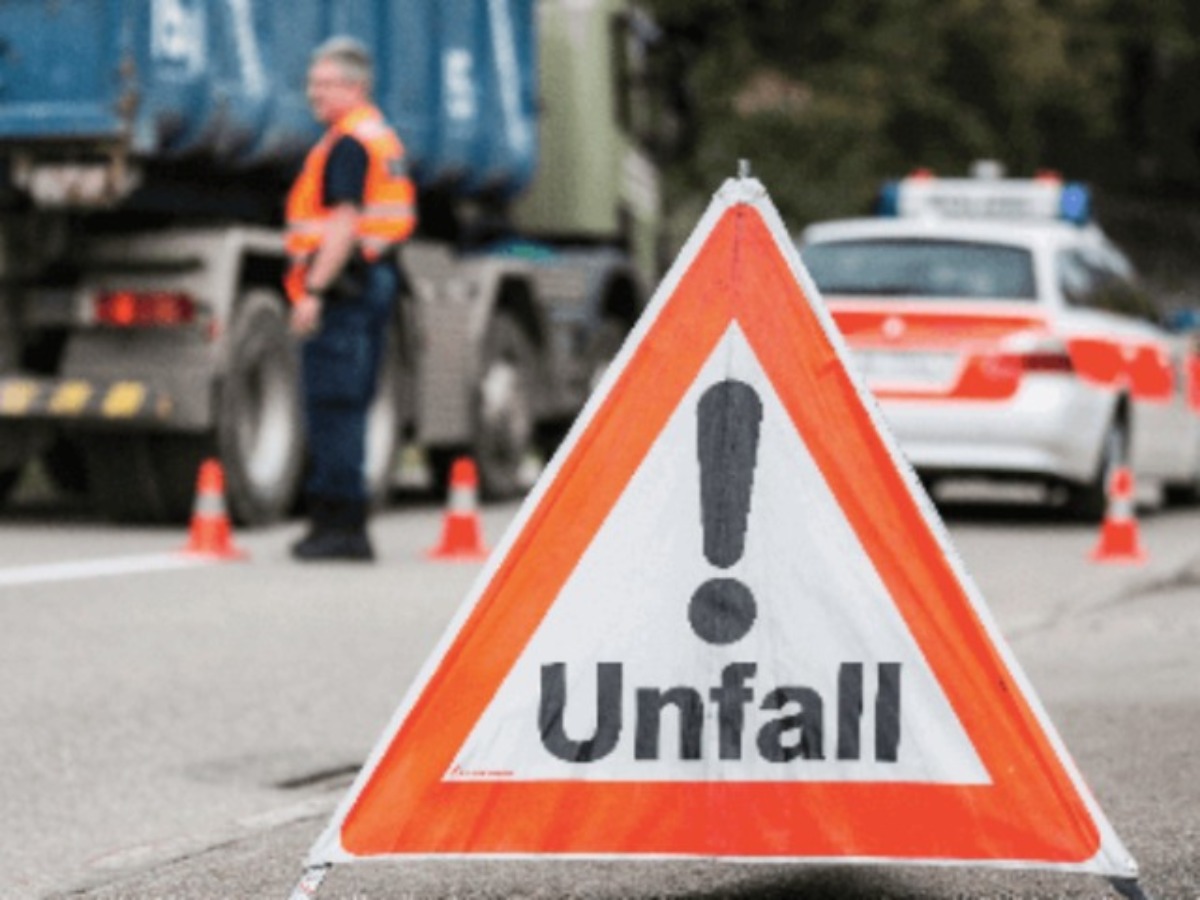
(461, 500)
(1121, 509)
(211, 505)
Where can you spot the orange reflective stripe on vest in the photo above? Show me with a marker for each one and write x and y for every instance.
(388, 215)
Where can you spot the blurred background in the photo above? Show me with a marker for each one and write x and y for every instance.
(562, 149)
(829, 97)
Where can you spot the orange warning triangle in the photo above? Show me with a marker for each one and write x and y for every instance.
(738, 633)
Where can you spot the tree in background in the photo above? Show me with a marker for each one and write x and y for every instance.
(827, 98)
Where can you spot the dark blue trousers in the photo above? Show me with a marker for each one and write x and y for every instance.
(340, 371)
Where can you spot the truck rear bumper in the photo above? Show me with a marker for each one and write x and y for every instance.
(82, 400)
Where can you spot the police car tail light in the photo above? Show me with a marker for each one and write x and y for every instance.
(1038, 354)
(143, 309)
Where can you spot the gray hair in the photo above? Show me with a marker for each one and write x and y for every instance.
(351, 56)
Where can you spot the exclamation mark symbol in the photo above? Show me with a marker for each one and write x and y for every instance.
(722, 610)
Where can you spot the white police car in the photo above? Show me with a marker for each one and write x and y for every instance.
(1005, 335)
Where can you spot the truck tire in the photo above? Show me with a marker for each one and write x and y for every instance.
(606, 342)
(65, 466)
(260, 430)
(143, 477)
(602, 349)
(8, 481)
(503, 409)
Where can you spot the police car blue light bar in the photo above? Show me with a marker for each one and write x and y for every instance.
(1045, 197)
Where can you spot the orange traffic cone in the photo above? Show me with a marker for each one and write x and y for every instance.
(1119, 531)
(211, 533)
(462, 531)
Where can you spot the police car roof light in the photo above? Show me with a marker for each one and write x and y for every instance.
(888, 203)
(1075, 203)
(1045, 196)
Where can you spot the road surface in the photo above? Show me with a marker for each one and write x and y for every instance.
(185, 731)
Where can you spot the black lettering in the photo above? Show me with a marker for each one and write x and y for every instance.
(850, 707)
(809, 722)
(731, 698)
(887, 713)
(608, 714)
(650, 703)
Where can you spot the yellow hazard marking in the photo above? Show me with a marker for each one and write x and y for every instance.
(70, 397)
(17, 396)
(124, 399)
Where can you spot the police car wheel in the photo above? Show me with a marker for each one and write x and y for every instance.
(260, 434)
(1182, 494)
(504, 417)
(1185, 492)
(1088, 502)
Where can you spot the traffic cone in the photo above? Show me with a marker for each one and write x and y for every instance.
(1119, 532)
(211, 533)
(462, 530)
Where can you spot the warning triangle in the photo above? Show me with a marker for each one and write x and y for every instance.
(726, 622)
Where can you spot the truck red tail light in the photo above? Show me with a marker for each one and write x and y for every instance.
(143, 309)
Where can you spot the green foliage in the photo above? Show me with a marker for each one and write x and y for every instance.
(826, 98)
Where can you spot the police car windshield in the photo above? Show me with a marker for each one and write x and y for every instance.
(921, 268)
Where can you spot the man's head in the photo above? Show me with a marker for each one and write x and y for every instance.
(339, 78)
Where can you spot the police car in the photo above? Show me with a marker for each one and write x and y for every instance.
(1005, 335)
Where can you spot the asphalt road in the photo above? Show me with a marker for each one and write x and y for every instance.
(186, 732)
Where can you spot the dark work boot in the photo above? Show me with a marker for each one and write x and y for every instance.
(339, 533)
(320, 523)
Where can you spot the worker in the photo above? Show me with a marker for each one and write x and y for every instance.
(352, 203)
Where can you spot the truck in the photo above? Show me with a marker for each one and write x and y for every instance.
(145, 150)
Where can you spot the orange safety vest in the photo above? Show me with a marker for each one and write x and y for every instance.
(389, 209)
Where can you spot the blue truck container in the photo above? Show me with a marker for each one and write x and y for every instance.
(222, 83)
(145, 150)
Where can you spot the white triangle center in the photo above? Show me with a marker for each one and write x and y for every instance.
(827, 683)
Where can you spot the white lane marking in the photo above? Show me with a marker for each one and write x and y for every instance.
(98, 568)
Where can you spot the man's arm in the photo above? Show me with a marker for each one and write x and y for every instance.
(337, 246)
(341, 234)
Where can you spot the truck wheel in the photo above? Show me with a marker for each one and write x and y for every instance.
(65, 465)
(8, 481)
(606, 342)
(440, 463)
(260, 434)
(602, 348)
(504, 417)
(1088, 502)
(143, 477)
